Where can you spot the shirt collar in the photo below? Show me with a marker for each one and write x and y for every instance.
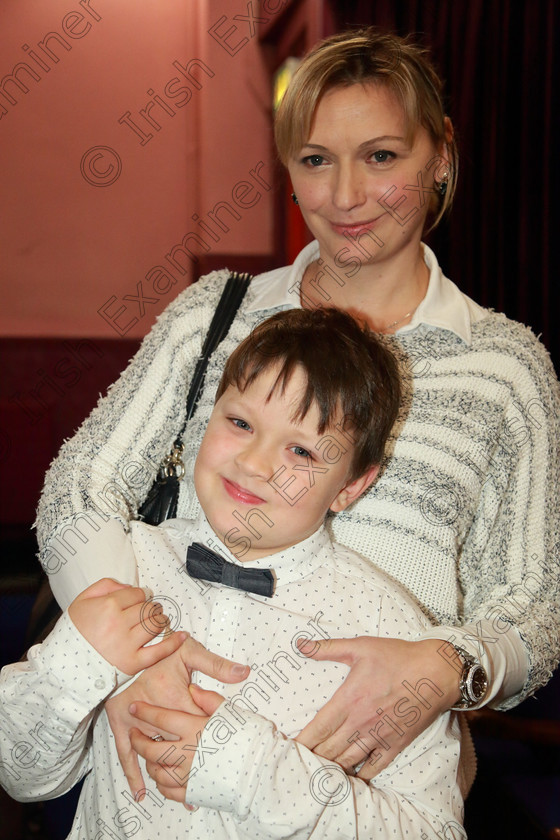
(289, 565)
(444, 306)
(280, 287)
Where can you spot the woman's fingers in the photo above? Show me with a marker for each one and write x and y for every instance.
(198, 658)
(394, 690)
(120, 721)
(163, 720)
(208, 701)
(150, 654)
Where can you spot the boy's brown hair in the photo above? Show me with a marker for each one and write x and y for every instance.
(351, 376)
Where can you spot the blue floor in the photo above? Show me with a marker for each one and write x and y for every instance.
(48, 820)
(14, 616)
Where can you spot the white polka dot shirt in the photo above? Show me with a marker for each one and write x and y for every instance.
(249, 778)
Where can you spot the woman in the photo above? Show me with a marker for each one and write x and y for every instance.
(465, 512)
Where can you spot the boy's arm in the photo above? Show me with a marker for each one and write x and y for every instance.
(236, 762)
(46, 707)
(48, 702)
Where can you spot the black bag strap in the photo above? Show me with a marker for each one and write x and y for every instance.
(226, 310)
(46, 611)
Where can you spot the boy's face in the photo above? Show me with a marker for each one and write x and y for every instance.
(255, 458)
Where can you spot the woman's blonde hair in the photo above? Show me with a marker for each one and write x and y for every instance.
(365, 56)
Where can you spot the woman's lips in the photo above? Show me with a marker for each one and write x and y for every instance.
(239, 494)
(354, 229)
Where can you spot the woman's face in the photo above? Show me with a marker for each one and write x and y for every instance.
(358, 178)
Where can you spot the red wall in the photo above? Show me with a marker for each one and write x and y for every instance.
(94, 195)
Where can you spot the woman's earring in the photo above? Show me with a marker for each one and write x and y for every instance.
(442, 186)
(294, 198)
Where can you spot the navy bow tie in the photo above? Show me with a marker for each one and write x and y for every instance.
(204, 564)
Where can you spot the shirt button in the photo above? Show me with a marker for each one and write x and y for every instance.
(99, 684)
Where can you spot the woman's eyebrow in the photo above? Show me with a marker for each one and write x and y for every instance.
(314, 146)
(381, 139)
(364, 145)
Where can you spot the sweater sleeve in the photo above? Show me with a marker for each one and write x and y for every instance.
(272, 787)
(509, 564)
(47, 705)
(106, 469)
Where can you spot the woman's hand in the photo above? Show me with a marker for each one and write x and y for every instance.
(165, 684)
(169, 763)
(394, 691)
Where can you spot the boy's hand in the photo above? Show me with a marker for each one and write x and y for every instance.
(169, 762)
(112, 618)
(165, 684)
(350, 728)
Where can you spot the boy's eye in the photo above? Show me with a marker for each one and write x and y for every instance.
(383, 156)
(313, 160)
(303, 453)
(241, 424)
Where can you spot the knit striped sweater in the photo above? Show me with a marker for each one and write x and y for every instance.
(464, 513)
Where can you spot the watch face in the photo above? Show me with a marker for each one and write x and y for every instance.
(478, 683)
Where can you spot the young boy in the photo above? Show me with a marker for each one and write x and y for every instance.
(299, 426)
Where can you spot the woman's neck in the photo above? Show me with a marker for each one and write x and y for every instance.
(385, 294)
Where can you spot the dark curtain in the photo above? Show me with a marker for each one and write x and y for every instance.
(500, 67)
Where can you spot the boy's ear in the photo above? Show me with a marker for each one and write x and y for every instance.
(353, 489)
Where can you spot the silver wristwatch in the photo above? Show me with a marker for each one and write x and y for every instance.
(474, 681)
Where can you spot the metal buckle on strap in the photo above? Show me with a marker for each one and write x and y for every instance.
(172, 464)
